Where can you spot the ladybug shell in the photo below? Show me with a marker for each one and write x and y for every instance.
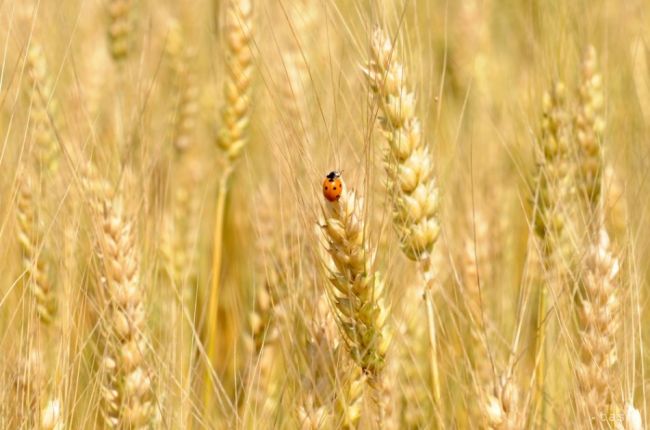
(332, 188)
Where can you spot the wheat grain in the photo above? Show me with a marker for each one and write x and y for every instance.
(349, 399)
(633, 420)
(51, 416)
(502, 407)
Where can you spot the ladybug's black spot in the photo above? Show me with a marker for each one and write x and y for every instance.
(334, 188)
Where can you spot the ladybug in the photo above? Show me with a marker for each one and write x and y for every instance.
(333, 186)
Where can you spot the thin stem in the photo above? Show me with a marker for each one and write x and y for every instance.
(427, 269)
(213, 302)
(540, 356)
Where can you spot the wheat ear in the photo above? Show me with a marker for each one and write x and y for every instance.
(43, 109)
(180, 235)
(186, 91)
(553, 170)
(598, 324)
(30, 240)
(408, 160)
(235, 115)
(356, 293)
(120, 29)
(589, 126)
(127, 385)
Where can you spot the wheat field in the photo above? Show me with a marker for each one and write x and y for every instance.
(174, 255)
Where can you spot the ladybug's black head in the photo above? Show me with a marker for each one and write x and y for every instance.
(333, 175)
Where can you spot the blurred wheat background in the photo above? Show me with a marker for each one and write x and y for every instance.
(169, 260)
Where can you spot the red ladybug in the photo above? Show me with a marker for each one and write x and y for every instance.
(333, 186)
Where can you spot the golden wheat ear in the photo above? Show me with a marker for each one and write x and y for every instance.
(127, 380)
(30, 238)
(599, 319)
(356, 294)
(120, 29)
(408, 160)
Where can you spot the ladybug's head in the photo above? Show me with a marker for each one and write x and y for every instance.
(333, 175)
